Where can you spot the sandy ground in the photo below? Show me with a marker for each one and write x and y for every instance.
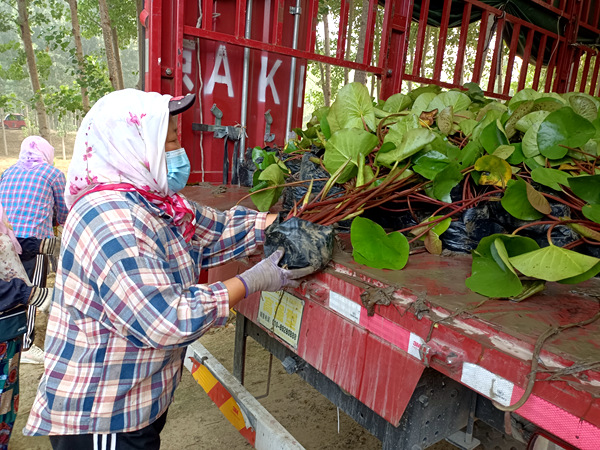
(194, 422)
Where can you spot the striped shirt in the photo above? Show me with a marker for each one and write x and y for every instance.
(32, 198)
(126, 305)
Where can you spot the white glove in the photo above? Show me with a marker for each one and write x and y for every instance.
(268, 276)
(41, 298)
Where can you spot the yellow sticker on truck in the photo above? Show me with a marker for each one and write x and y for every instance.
(281, 313)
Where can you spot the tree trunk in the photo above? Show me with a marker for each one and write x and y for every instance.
(32, 66)
(349, 39)
(113, 73)
(63, 146)
(79, 53)
(141, 45)
(3, 131)
(327, 50)
(360, 76)
(115, 40)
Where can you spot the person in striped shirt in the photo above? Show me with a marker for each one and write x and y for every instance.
(127, 301)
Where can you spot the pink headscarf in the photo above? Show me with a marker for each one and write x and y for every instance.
(35, 150)
(6, 228)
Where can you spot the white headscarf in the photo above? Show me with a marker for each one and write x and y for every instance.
(120, 145)
(121, 140)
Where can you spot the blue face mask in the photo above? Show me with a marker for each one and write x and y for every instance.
(178, 169)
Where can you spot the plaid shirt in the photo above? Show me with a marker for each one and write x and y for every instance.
(32, 198)
(126, 305)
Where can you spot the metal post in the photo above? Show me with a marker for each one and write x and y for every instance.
(246, 72)
(288, 122)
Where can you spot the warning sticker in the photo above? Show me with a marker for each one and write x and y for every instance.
(487, 383)
(344, 306)
(281, 313)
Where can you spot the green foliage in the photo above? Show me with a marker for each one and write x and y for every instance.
(373, 247)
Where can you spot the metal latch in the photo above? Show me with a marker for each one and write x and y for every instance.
(269, 137)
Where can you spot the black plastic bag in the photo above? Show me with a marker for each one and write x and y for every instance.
(305, 243)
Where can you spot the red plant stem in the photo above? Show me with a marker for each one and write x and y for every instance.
(532, 224)
(577, 203)
(465, 206)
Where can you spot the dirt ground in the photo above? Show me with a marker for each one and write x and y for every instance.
(194, 422)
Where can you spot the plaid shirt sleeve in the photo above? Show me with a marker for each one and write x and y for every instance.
(58, 191)
(225, 235)
(143, 276)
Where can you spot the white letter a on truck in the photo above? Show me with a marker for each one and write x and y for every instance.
(222, 79)
(264, 80)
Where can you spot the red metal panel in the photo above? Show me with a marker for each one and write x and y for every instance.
(496, 55)
(462, 43)
(586, 71)
(540, 57)
(526, 55)
(416, 70)
(481, 42)
(595, 76)
(394, 43)
(441, 48)
(389, 379)
(371, 16)
(277, 23)
(333, 346)
(342, 29)
(511, 58)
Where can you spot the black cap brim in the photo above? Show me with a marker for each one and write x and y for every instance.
(177, 105)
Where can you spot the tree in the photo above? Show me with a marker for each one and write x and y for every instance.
(79, 53)
(111, 58)
(33, 71)
(360, 76)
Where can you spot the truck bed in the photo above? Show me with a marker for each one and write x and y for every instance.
(373, 332)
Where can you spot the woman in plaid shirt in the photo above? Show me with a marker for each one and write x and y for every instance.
(127, 302)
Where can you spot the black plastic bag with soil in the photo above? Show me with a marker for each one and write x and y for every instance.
(247, 167)
(305, 243)
(308, 171)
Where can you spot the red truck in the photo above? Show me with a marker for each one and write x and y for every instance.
(411, 355)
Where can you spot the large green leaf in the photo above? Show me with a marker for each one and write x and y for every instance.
(529, 142)
(493, 136)
(352, 105)
(397, 103)
(456, 99)
(494, 171)
(347, 145)
(422, 103)
(489, 279)
(552, 178)
(592, 212)
(470, 153)
(553, 263)
(563, 128)
(523, 95)
(520, 112)
(583, 277)
(372, 247)
(492, 274)
(585, 105)
(430, 163)
(413, 141)
(265, 199)
(586, 188)
(397, 131)
(445, 181)
(526, 122)
(516, 202)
